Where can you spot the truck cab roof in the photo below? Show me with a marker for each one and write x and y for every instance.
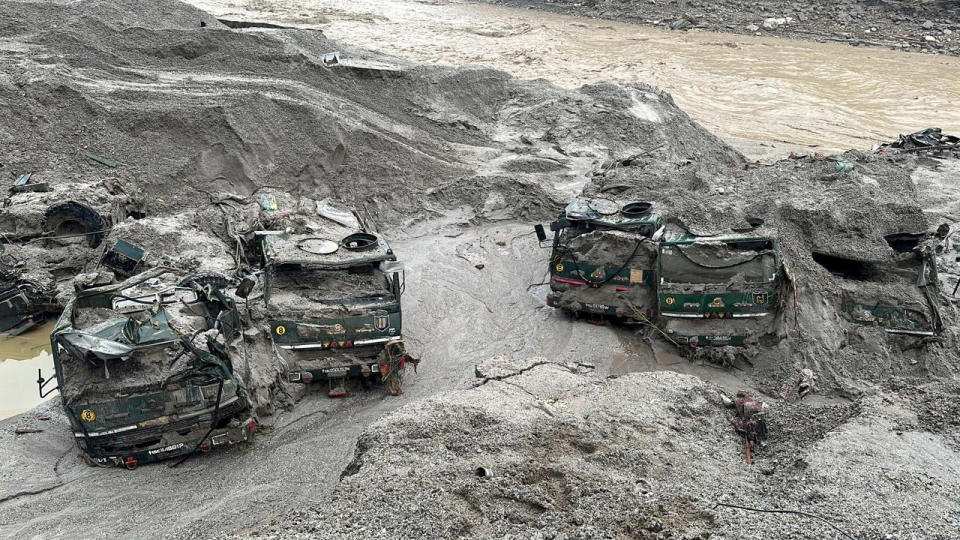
(333, 248)
(611, 214)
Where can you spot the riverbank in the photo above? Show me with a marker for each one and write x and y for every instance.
(931, 26)
(767, 96)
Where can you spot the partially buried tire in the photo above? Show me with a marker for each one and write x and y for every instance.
(217, 281)
(75, 220)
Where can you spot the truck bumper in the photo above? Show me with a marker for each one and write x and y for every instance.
(130, 451)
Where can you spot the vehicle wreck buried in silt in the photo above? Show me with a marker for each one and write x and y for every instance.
(144, 373)
(614, 258)
(332, 302)
(718, 291)
(602, 262)
(899, 292)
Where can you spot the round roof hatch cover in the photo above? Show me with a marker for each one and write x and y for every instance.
(604, 207)
(318, 246)
(360, 241)
(636, 209)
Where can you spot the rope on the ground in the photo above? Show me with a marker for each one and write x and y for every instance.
(797, 512)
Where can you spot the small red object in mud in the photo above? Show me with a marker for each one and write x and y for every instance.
(206, 447)
(251, 426)
(337, 392)
(130, 463)
(306, 377)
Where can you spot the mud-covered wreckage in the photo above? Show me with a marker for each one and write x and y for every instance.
(332, 303)
(617, 259)
(48, 235)
(144, 373)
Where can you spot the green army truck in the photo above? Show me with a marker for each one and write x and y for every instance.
(615, 259)
(719, 290)
(144, 373)
(333, 306)
(603, 258)
(896, 291)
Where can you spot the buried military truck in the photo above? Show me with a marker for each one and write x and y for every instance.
(719, 290)
(332, 300)
(615, 259)
(895, 289)
(46, 237)
(144, 374)
(602, 262)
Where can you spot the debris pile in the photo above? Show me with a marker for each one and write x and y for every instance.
(544, 449)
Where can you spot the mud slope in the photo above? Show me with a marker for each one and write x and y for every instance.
(188, 110)
(551, 451)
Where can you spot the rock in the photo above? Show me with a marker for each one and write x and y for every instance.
(930, 38)
(772, 23)
(752, 28)
(927, 25)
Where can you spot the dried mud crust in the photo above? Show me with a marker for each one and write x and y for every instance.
(894, 23)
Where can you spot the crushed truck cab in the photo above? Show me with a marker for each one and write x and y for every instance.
(333, 306)
(603, 258)
(616, 259)
(144, 373)
(720, 290)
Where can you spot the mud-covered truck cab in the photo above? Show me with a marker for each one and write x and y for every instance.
(719, 290)
(144, 373)
(603, 258)
(24, 302)
(896, 290)
(333, 306)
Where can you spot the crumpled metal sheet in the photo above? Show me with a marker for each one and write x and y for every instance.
(104, 349)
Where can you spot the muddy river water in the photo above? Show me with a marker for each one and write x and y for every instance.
(752, 91)
(20, 357)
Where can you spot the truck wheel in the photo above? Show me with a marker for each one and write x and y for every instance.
(72, 218)
(214, 279)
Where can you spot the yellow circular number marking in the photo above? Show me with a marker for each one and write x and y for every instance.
(281, 330)
(87, 415)
(559, 268)
(670, 300)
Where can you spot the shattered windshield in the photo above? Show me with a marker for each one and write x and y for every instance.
(716, 263)
(359, 282)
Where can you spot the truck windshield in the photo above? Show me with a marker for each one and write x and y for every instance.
(318, 285)
(716, 263)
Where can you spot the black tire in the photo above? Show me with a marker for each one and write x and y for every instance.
(218, 281)
(71, 217)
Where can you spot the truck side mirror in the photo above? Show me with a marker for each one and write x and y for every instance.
(541, 234)
(246, 286)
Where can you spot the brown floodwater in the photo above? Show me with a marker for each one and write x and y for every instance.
(20, 357)
(752, 91)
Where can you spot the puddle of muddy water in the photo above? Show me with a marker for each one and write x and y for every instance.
(20, 358)
(751, 91)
